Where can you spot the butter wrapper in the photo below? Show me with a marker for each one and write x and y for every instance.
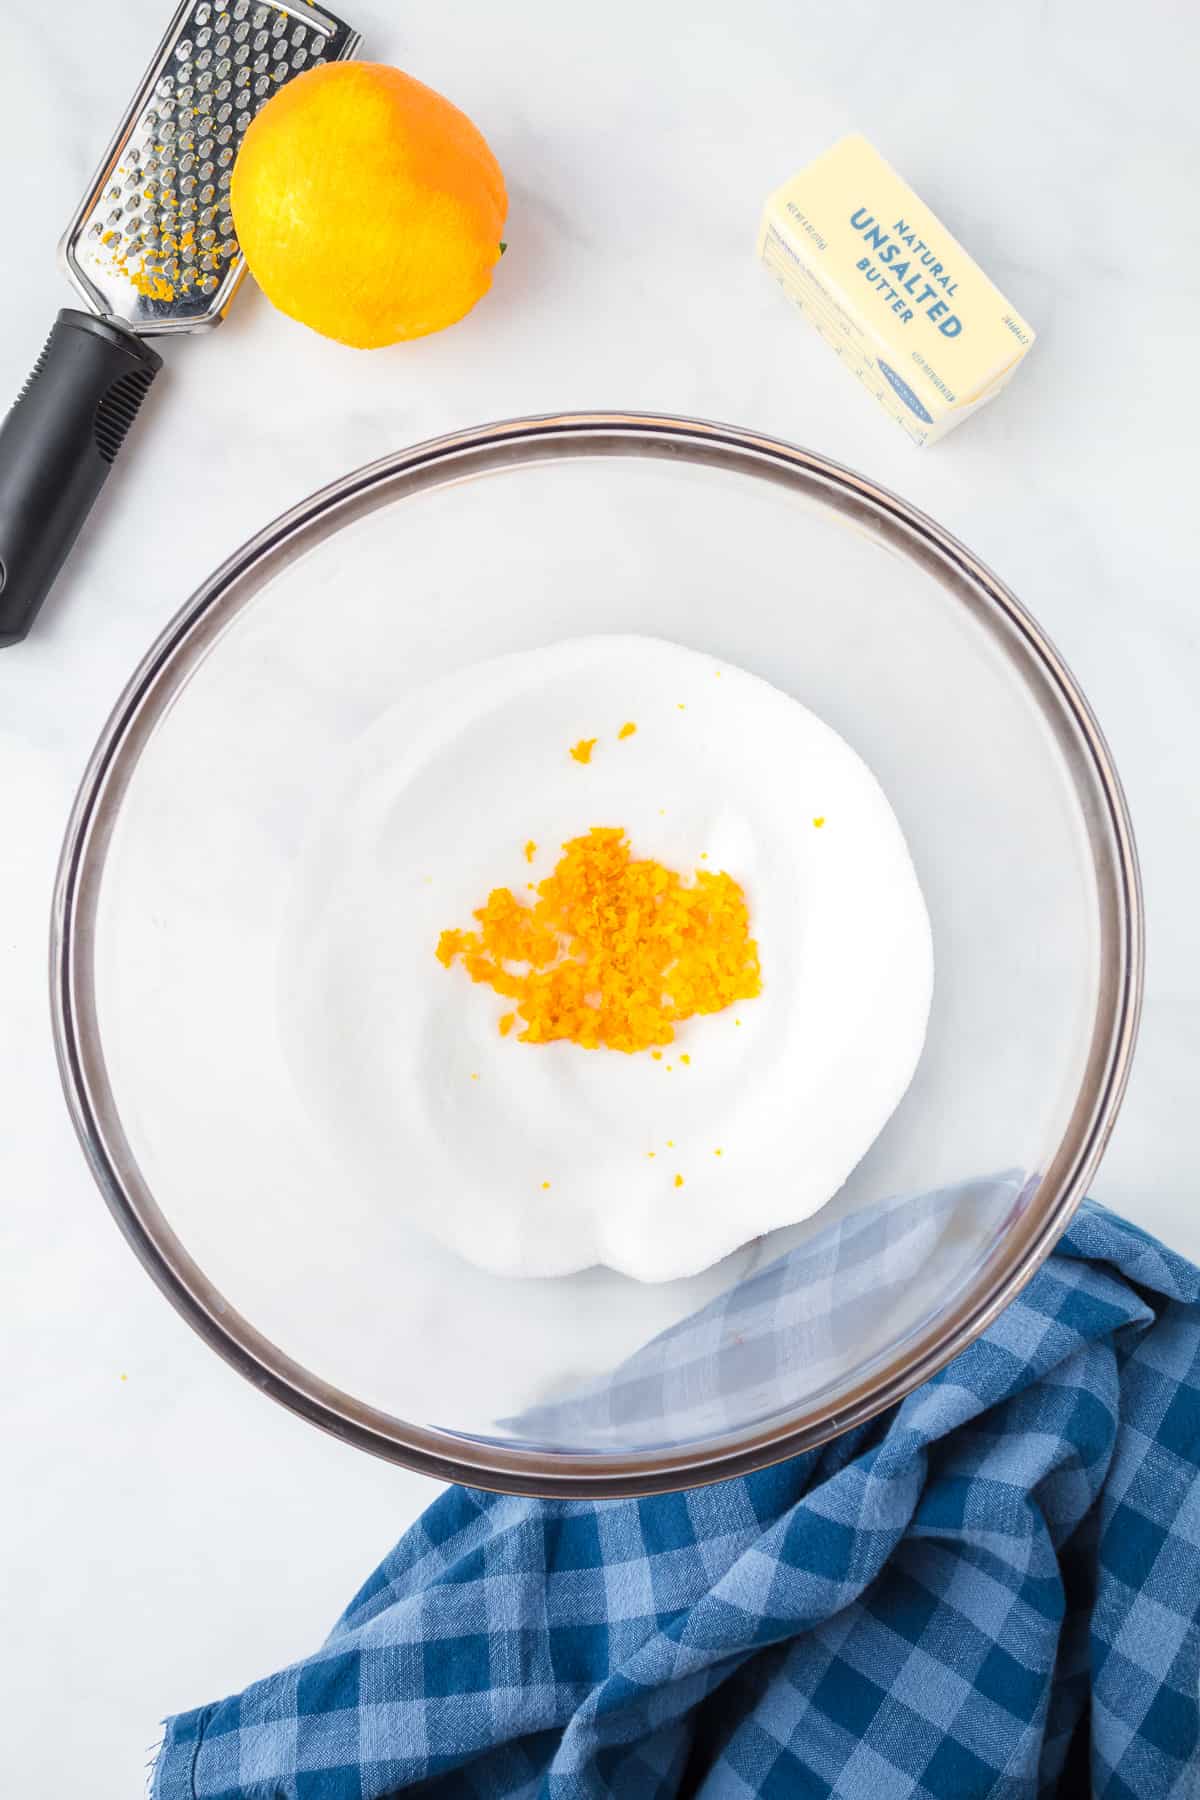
(889, 288)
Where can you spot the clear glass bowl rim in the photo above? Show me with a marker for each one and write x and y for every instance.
(92, 1104)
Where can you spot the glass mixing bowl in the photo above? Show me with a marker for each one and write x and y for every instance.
(184, 843)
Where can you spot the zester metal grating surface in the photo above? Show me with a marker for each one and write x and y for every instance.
(153, 242)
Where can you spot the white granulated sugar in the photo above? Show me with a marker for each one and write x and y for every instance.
(400, 1061)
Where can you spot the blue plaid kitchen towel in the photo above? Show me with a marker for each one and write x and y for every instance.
(991, 1590)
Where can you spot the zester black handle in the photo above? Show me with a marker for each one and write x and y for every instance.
(56, 447)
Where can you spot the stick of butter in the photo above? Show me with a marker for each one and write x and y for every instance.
(884, 282)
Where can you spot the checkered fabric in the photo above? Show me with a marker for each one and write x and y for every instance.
(832, 1298)
(993, 1590)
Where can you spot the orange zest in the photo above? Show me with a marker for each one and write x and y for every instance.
(615, 951)
(582, 751)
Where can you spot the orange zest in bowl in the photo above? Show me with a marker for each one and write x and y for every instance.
(616, 950)
(582, 751)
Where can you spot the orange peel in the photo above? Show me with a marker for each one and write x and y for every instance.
(615, 951)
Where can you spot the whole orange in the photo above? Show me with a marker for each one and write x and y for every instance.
(368, 206)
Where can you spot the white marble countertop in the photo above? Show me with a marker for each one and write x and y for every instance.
(168, 1534)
